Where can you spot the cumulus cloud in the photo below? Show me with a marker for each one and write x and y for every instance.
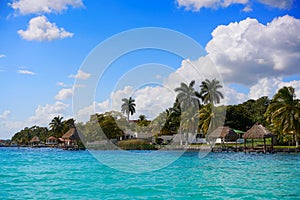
(26, 72)
(64, 94)
(84, 114)
(43, 6)
(80, 75)
(282, 4)
(40, 29)
(42, 117)
(196, 5)
(295, 84)
(246, 51)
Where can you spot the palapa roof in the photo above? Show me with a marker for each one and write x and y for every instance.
(224, 132)
(71, 134)
(35, 139)
(257, 131)
(51, 138)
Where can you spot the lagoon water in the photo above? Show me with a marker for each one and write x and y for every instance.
(57, 174)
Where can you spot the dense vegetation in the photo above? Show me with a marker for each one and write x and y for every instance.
(193, 111)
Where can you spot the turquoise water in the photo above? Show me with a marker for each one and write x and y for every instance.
(57, 174)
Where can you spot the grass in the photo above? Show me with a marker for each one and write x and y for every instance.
(135, 144)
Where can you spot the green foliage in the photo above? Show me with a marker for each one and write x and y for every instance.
(284, 112)
(25, 135)
(187, 96)
(57, 126)
(210, 91)
(128, 107)
(243, 116)
(135, 144)
(103, 126)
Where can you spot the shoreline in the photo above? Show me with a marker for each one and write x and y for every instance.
(187, 149)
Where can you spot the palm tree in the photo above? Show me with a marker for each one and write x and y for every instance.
(128, 106)
(189, 105)
(187, 96)
(210, 91)
(284, 112)
(57, 125)
(210, 118)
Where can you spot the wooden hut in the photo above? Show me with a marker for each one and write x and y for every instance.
(51, 141)
(35, 141)
(258, 131)
(226, 134)
(71, 138)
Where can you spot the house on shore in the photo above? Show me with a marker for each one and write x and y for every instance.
(70, 139)
(35, 141)
(51, 141)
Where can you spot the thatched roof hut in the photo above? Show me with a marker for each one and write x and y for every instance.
(257, 131)
(224, 132)
(35, 139)
(71, 134)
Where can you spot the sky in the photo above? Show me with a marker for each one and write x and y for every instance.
(251, 46)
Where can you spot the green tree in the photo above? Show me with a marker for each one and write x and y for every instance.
(186, 96)
(57, 126)
(128, 107)
(210, 91)
(142, 121)
(284, 112)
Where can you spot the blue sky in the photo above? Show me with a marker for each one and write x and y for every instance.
(38, 70)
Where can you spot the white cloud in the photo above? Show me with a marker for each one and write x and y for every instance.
(43, 6)
(40, 29)
(26, 72)
(44, 114)
(264, 87)
(64, 94)
(247, 8)
(246, 51)
(282, 4)
(42, 117)
(5, 114)
(61, 84)
(295, 84)
(2, 56)
(83, 114)
(231, 96)
(196, 5)
(80, 75)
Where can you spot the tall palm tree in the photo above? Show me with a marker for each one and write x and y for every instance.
(57, 125)
(189, 105)
(210, 91)
(187, 96)
(128, 107)
(284, 112)
(210, 118)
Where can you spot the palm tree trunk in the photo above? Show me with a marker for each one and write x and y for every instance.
(296, 141)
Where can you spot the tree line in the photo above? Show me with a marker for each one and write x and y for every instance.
(192, 111)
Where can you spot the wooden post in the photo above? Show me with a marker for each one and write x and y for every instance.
(265, 148)
(272, 144)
